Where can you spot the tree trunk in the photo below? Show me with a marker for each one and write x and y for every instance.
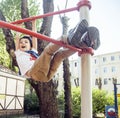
(67, 90)
(46, 92)
(10, 45)
(66, 76)
(25, 13)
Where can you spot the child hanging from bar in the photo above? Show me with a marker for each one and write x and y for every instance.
(42, 68)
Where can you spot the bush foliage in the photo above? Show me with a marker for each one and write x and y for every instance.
(31, 104)
(100, 99)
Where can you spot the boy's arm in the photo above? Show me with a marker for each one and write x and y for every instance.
(17, 38)
(34, 39)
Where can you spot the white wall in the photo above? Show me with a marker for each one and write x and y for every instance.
(12, 88)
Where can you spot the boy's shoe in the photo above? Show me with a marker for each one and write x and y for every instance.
(91, 38)
(74, 35)
(83, 36)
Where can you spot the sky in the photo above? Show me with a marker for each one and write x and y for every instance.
(104, 14)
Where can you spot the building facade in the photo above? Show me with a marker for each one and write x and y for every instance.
(105, 71)
(12, 89)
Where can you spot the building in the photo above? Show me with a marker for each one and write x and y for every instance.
(105, 70)
(12, 88)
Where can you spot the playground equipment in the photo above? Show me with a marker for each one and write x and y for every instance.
(86, 87)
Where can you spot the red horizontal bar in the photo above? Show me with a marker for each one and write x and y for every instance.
(37, 35)
(43, 37)
(44, 15)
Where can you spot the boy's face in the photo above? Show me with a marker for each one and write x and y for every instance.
(24, 44)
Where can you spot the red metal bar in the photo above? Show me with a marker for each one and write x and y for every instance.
(44, 15)
(84, 3)
(80, 4)
(42, 37)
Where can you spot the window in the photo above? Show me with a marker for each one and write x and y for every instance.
(113, 69)
(105, 81)
(104, 59)
(96, 71)
(105, 70)
(95, 61)
(112, 58)
(75, 64)
(96, 82)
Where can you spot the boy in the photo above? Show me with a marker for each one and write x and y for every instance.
(44, 67)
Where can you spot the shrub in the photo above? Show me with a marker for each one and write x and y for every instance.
(61, 102)
(100, 98)
(76, 101)
(31, 104)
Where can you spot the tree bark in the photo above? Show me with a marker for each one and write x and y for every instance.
(46, 92)
(67, 90)
(66, 76)
(10, 45)
(25, 13)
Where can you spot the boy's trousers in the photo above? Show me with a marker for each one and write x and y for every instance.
(48, 62)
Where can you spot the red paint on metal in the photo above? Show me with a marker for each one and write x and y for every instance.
(44, 15)
(42, 37)
(84, 3)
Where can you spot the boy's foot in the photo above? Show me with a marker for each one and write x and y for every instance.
(83, 36)
(75, 34)
(91, 38)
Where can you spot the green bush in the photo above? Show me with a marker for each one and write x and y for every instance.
(100, 99)
(76, 101)
(110, 99)
(61, 102)
(31, 104)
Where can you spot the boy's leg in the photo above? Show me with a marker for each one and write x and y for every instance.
(80, 36)
(40, 69)
(91, 38)
(57, 59)
(83, 36)
(75, 34)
